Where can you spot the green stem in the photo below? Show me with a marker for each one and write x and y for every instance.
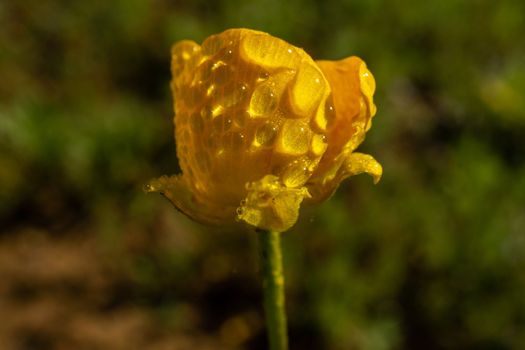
(273, 287)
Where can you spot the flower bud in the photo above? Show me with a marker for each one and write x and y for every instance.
(260, 127)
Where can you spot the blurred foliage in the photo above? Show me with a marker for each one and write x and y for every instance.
(431, 258)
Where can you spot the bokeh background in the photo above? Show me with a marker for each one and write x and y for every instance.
(433, 257)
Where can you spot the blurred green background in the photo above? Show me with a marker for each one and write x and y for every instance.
(433, 257)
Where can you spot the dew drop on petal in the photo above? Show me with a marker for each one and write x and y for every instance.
(233, 96)
(264, 101)
(329, 114)
(318, 145)
(307, 90)
(296, 174)
(262, 76)
(294, 138)
(265, 134)
(267, 51)
(325, 116)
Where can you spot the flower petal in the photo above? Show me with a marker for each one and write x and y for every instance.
(182, 196)
(270, 205)
(358, 163)
(352, 164)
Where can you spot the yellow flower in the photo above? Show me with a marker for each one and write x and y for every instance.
(260, 127)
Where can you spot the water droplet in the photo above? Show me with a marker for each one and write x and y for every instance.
(329, 112)
(264, 101)
(294, 138)
(264, 50)
(296, 174)
(263, 75)
(325, 116)
(265, 134)
(318, 145)
(307, 90)
(233, 96)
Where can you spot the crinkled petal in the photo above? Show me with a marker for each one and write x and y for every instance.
(352, 164)
(271, 205)
(358, 163)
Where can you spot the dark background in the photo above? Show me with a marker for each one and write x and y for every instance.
(433, 257)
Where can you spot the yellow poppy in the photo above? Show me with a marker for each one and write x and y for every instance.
(260, 127)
